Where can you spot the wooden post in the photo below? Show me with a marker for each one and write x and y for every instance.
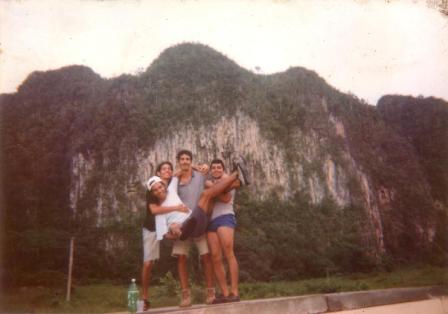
(70, 266)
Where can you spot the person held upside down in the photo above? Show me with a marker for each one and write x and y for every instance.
(193, 224)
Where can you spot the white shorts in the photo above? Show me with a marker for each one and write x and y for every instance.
(183, 247)
(151, 247)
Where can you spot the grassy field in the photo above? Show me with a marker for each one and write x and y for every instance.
(106, 297)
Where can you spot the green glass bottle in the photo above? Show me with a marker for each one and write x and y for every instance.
(132, 296)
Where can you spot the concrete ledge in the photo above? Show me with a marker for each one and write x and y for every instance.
(362, 299)
(433, 306)
(321, 303)
(300, 305)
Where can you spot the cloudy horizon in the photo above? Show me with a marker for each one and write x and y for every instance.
(368, 48)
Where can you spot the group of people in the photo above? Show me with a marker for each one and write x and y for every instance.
(195, 205)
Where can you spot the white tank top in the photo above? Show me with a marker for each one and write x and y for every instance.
(172, 198)
(164, 220)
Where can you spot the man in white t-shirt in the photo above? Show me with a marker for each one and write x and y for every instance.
(165, 221)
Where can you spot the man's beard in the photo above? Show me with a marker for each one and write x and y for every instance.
(185, 167)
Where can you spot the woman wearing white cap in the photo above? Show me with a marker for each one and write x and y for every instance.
(151, 246)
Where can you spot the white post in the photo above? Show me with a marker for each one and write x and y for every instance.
(70, 266)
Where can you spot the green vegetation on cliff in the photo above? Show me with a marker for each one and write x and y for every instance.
(70, 112)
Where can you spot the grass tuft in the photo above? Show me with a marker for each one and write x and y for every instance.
(108, 297)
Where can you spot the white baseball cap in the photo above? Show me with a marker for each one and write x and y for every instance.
(153, 180)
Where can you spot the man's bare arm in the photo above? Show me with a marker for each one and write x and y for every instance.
(157, 209)
(202, 168)
(225, 197)
(235, 185)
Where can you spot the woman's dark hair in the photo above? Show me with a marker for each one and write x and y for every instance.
(218, 161)
(151, 198)
(159, 166)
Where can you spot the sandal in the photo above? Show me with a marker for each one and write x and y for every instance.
(233, 298)
(146, 305)
(186, 298)
(209, 295)
(219, 299)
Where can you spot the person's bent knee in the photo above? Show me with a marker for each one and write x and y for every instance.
(216, 258)
(215, 253)
(229, 253)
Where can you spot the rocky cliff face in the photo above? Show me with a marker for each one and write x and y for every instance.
(238, 134)
(272, 173)
(301, 137)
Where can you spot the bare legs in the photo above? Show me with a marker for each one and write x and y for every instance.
(183, 271)
(183, 277)
(221, 242)
(218, 267)
(146, 278)
(226, 236)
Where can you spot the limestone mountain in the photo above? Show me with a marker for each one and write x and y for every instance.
(349, 183)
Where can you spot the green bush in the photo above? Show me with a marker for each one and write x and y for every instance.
(169, 286)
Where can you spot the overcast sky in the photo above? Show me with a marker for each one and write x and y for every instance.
(369, 48)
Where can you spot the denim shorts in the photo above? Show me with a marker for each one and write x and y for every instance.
(222, 221)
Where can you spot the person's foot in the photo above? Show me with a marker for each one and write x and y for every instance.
(146, 305)
(233, 298)
(209, 295)
(187, 228)
(219, 299)
(240, 165)
(186, 298)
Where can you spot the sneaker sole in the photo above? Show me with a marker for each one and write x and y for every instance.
(242, 169)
